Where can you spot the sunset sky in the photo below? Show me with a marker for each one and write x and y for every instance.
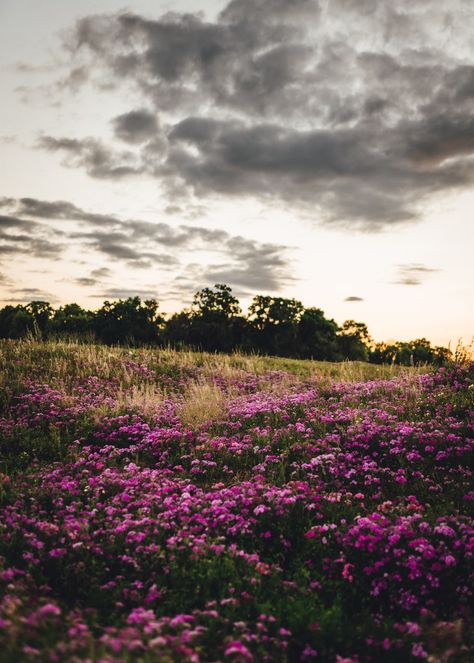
(322, 150)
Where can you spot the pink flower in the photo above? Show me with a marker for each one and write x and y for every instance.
(284, 632)
(346, 572)
(49, 609)
(418, 651)
(237, 648)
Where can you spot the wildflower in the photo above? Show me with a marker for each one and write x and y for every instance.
(49, 609)
(418, 651)
(239, 650)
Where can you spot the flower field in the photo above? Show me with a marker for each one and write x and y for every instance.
(157, 506)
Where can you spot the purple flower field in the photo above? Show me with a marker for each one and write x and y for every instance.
(165, 507)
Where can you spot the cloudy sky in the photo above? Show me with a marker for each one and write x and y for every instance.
(321, 149)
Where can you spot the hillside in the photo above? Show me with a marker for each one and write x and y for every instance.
(164, 506)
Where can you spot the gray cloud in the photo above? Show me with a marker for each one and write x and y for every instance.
(94, 277)
(26, 295)
(353, 298)
(255, 266)
(85, 281)
(101, 272)
(351, 112)
(91, 154)
(413, 273)
(141, 244)
(22, 236)
(8, 140)
(58, 209)
(124, 293)
(119, 245)
(137, 126)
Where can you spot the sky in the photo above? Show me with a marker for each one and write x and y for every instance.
(316, 149)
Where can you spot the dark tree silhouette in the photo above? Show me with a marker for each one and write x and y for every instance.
(129, 321)
(317, 336)
(215, 319)
(73, 321)
(215, 323)
(354, 341)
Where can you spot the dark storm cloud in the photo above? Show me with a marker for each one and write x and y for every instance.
(440, 138)
(271, 161)
(413, 273)
(351, 112)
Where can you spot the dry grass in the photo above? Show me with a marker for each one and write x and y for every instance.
(146, 398)
(203, 402)
(68, 362)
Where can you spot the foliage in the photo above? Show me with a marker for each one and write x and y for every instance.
(275, 326)
(354, 341)
(410, 353)
(317, 336)
(128, 321)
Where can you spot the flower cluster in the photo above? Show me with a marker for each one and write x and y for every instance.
(309, 520)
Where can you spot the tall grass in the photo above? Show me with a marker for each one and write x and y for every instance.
(68, 361)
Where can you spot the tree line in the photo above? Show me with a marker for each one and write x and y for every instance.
(215, 323)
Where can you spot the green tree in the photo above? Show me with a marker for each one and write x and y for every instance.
(317, 336)
(42, 313)
(354, 341)
(215, 319)
(72, 320)
(216, 303)
(129, 321)
(383, 353)
(177, 331)
(15, 322)
(275, 324)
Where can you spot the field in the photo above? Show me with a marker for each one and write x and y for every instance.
(163, 506)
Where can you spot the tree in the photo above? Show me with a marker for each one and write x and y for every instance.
(41, 312)
(72, 320)
(410, 353)
(275, 324)
(383, 353)
(317, 336)
(265, 310)
(15, 322)
(419, 352)
(129, 321)
(178, 330)
(214, 316)
(354, 341)
(216, 303)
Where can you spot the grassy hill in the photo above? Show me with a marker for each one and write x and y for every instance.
(164, 506)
